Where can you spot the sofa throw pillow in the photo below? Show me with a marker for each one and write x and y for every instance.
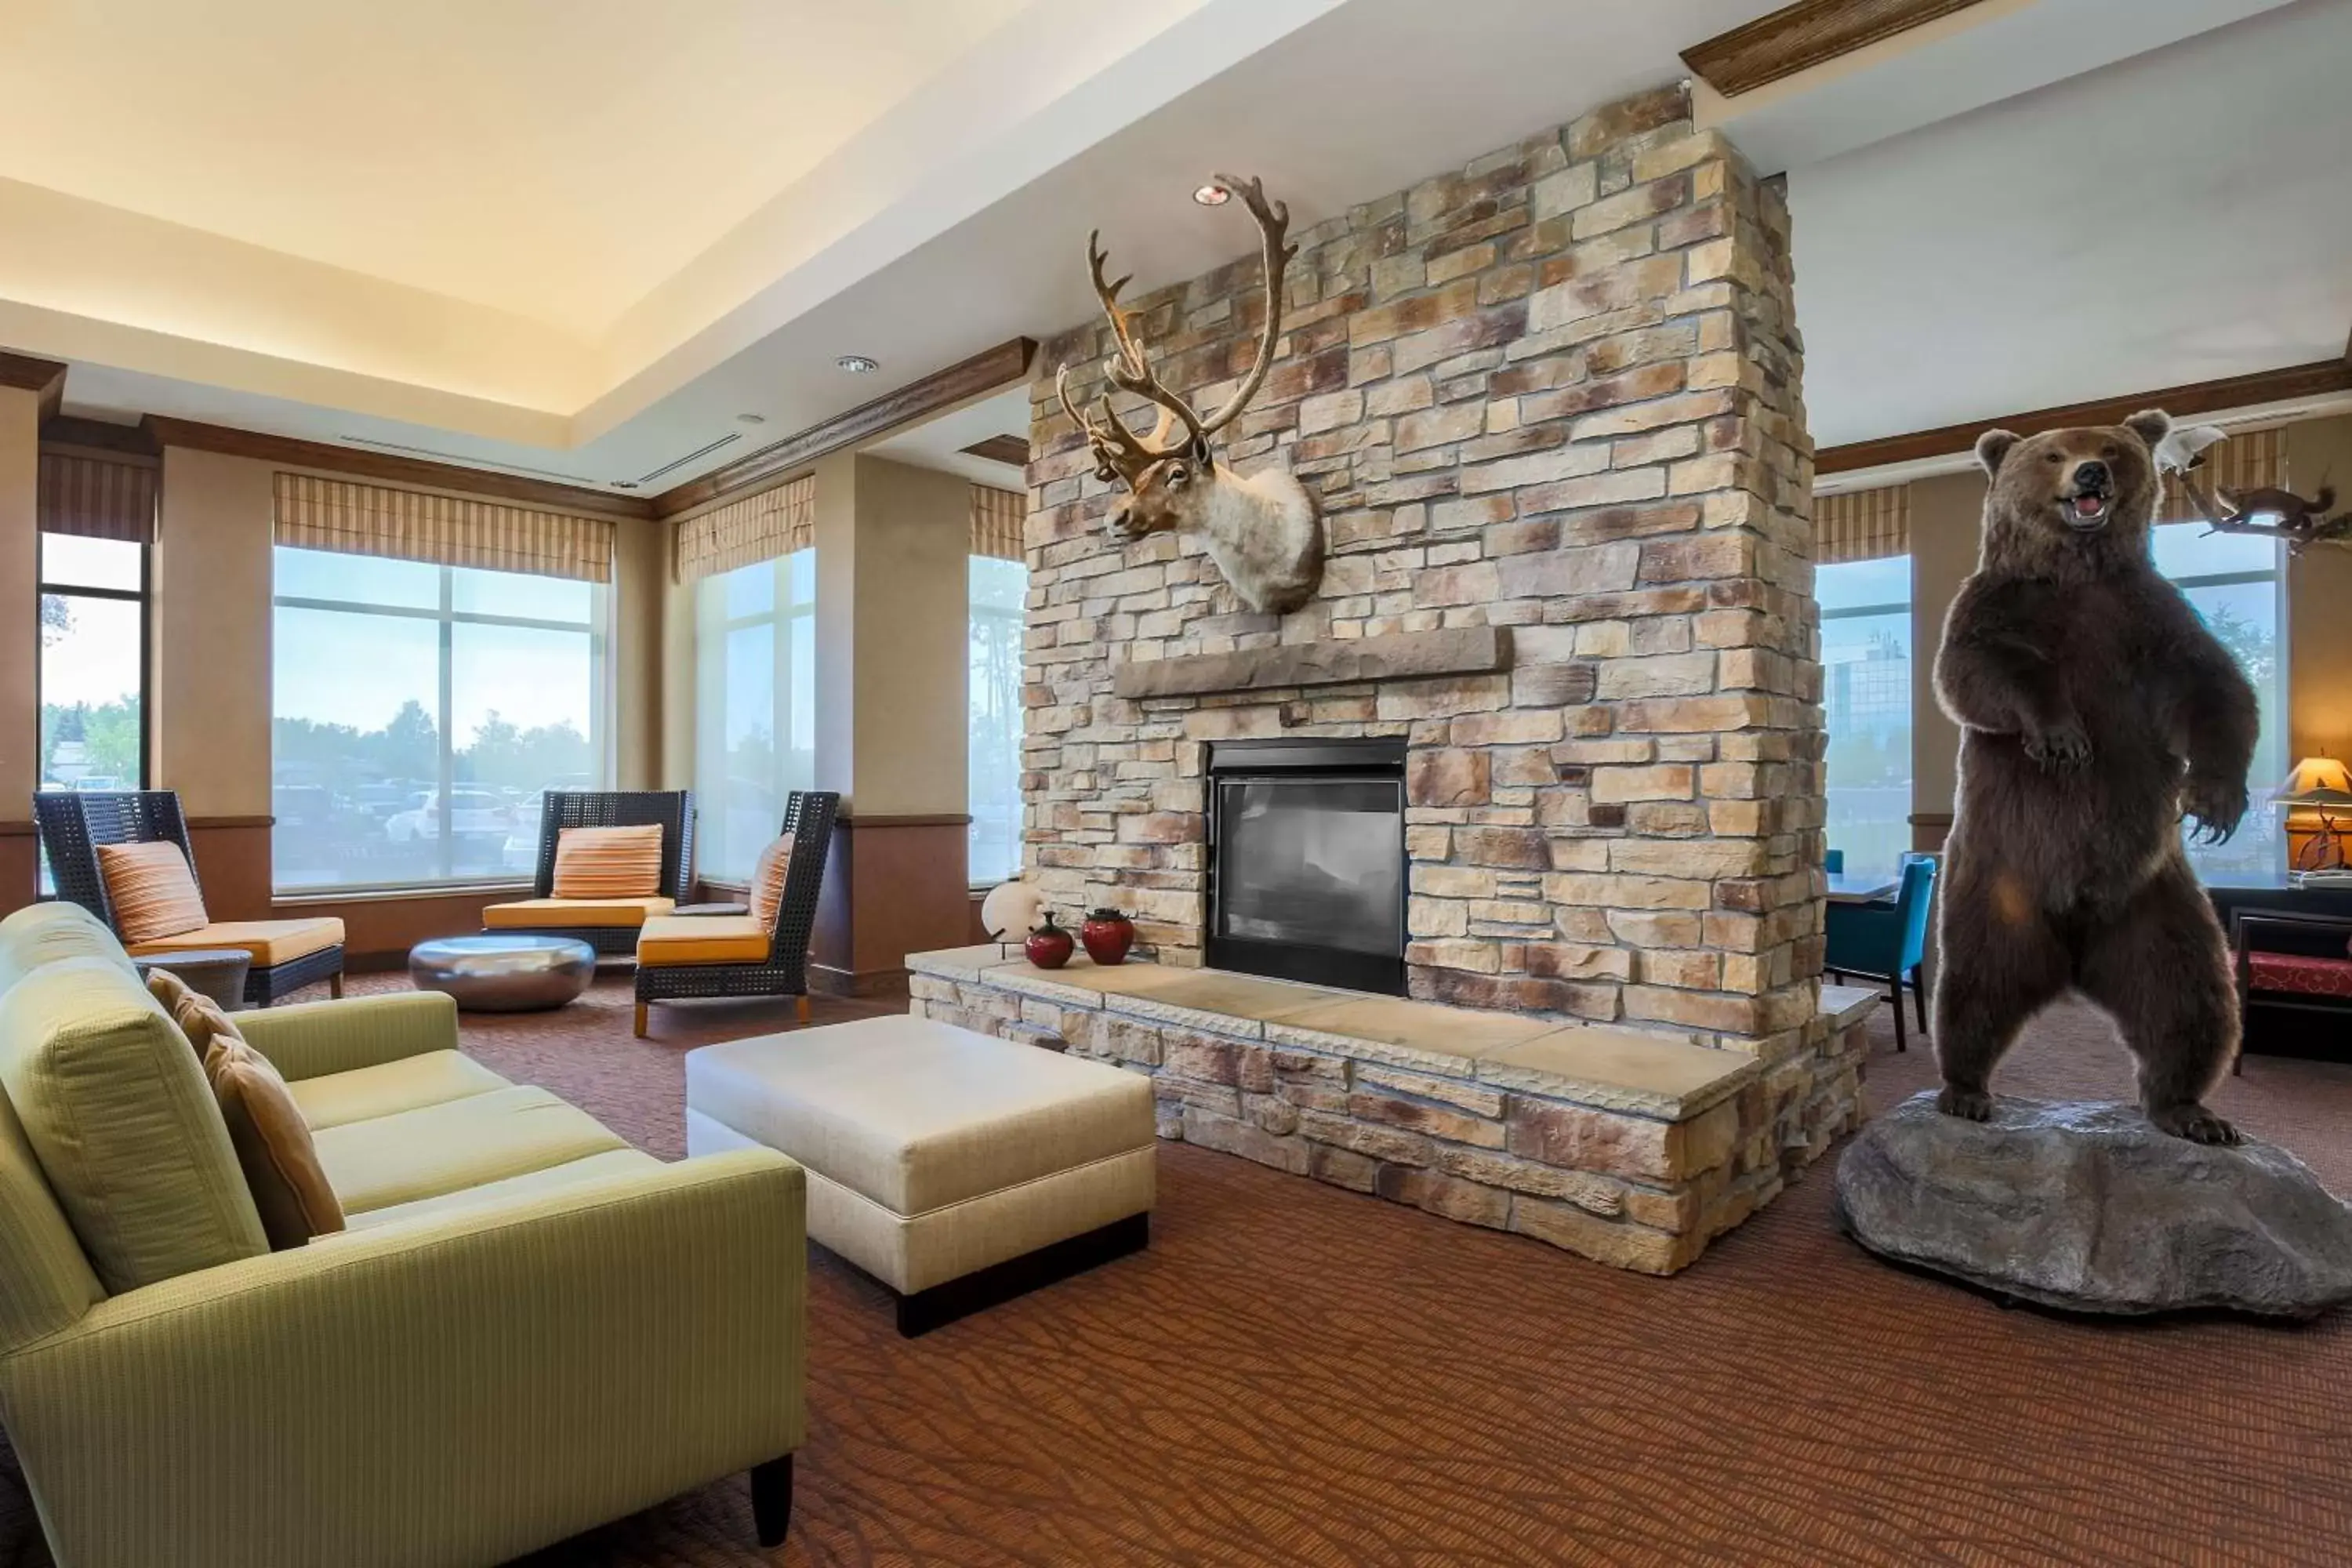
(273, 1144)
(608, 862)
(767, 873)
(152, 890)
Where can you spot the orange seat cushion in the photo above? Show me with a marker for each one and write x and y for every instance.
(541, 914)
(608, 862)
(768, 874)
(703, 939)
(152, 889)
(268, 942)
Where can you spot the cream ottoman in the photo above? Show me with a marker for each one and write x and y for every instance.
(956, 1168)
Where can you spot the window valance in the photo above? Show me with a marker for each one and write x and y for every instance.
(315, 513)
(97, 498)
(1863, 525)
(2248, 460)
(743, 534)
(998, 518)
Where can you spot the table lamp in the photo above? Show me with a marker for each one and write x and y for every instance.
(2323, 785)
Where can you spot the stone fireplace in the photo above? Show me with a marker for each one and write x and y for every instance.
(1306, 862)
(1551, 405)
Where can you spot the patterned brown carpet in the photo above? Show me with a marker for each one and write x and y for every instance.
(1295, 1375)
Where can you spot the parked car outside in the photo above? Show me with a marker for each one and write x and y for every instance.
(473, 814)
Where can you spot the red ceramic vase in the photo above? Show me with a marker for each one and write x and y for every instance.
(1049, 946)
(1107, 935)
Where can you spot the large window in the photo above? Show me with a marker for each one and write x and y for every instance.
(1866, 639)
(998, 589)
(755, 705)
(2236, 584)
(93, 663)
(421, 710)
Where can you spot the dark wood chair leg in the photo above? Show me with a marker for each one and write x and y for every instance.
(771, 1501)
(335, 984)
(801, 1007)
(1919, 999)
(641, 1014)
(1895, 994)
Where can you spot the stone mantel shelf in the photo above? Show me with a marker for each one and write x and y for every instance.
(1657, 1076)
(1396, 656)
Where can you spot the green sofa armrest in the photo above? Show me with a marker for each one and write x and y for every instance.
(311, 1039)
(458, 1387)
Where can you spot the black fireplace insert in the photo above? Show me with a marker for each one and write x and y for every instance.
(1306, 866)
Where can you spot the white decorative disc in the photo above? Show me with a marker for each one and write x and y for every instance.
(1012, 911)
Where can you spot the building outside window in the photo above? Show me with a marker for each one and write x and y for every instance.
(755, 705)
(999, 580)
(1864, 589)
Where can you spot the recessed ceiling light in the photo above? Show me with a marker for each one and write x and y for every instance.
(1212, 195)
(750, 419)
(858, 364)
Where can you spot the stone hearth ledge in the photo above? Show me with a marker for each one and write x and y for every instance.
(1631, 1148)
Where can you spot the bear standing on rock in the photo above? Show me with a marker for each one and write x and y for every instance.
(2095, 711)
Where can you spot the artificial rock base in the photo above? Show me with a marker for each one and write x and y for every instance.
(2088, 1207)
(1633, 1149)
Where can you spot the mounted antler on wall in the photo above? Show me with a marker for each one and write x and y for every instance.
(1263, 532)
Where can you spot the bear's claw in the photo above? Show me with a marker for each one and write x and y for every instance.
(2196, 1123)
(1969, 1104)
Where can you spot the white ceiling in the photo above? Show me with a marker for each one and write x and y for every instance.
(650, 261)
(552, 158)
(2179, 216)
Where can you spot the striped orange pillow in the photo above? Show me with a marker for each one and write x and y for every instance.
(608, 862)
(153, 893)
(768, 874)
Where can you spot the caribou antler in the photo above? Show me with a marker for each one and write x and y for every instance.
(1272, 225)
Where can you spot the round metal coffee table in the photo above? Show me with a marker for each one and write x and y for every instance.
(499, 974)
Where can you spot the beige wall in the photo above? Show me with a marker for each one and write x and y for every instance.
(914, 539)
(211, 641)
(20, 446)
(640, 603)
(1944, 515)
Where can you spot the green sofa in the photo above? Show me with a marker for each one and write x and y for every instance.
(527, 1329)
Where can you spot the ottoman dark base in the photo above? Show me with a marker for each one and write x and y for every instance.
(924, 1311)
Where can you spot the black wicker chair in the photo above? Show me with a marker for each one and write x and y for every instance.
(808, 816)
(72, 827)
(671, 810)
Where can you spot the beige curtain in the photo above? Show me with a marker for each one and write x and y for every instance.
(315, 513)
(1863, 525)
(998, 518)
(741, 533)
(2248, 460)
(97, 498)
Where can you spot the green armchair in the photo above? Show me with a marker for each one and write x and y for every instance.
(475, 1369)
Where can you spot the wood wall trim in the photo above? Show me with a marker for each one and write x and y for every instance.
(18, 829)
(204, 822)
(1800, 37)
(72, 432)
(1931, 819)
(45, 378)
(1008, 361)
(294, 452)
(934, 819)
(2313, 380)
(1010, 451)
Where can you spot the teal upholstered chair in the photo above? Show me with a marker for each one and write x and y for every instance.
(1833, 861)
(1888, 941)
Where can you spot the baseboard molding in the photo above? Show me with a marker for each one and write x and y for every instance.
(828, 980)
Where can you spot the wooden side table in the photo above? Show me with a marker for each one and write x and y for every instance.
(214, 971)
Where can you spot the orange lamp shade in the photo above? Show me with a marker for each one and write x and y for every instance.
(2317, 781)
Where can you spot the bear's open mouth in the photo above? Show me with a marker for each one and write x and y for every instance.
(2086, 511)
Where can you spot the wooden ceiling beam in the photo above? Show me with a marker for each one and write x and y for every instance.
(45, 378)
(294, 452)
(1007, 363)
(2316, 380)
(1010, 450)
(1800, 37)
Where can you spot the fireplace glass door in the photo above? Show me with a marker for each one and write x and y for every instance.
(1310, 879)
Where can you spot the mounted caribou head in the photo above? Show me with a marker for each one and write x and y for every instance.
(1263, 532)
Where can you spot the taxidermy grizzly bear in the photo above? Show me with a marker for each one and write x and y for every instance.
(2095, 711)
